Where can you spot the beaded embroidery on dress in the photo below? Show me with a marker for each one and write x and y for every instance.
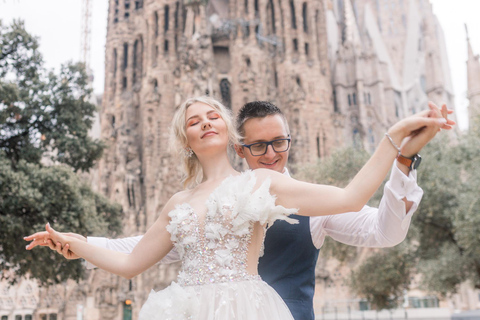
(213, 282)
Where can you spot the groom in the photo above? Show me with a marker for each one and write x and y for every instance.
(291, 251)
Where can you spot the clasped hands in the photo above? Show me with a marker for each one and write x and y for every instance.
(56, 241)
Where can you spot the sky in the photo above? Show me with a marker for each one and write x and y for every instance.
(58, 25)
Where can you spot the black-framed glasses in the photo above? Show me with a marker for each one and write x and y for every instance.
(260, 148)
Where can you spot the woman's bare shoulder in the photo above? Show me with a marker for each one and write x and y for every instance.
(177, 199)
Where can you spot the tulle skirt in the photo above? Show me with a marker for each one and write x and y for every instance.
(241, 300)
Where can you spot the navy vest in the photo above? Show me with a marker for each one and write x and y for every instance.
(288, 265)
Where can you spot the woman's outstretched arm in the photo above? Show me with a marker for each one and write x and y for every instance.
(314, 199)
(152, 248)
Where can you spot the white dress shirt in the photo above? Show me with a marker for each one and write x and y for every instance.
(386, 226)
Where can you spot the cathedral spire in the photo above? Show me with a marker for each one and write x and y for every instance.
(351, 33)
(473, 80)
(470, 50)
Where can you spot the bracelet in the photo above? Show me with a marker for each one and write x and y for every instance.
(393, 143)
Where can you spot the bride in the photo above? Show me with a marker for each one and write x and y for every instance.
(218, 224)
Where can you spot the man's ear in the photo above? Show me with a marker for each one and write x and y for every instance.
(239, 150)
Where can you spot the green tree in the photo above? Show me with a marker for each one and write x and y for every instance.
(443, 243)
(45, 118)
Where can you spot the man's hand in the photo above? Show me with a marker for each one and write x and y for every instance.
(44, 239)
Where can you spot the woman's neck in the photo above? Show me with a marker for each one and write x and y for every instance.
(216, 167)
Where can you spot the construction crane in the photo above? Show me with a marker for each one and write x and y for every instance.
(85, 38)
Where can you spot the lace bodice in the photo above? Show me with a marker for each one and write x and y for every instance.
(216, 250)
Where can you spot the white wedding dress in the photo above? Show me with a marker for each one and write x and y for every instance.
(214, 282)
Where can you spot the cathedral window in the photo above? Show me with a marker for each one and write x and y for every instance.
(175, 16)
(349, 100)
(115, 11)
(305, 17)
(292, 13)
(114, 71)
(165, 46)
(245, 6)
(335, 102)
(138, 4)
(356, 138)
(271, 17)
(114, 62)
(318, 146)
(255, 4)
(317, 33)
(156, 24)
(127, 9)
(295, 45)
(125, 65)
(125, 56)
(307, 50)
(184, 18)
(369, 100)
(299, 82)
(28, 317)
(245, 27)
(155, 85)
(354, 98)
(131, 195)
(225, 91)
(137, 60)
(167, 13)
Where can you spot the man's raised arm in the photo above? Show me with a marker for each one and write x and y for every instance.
(386, 226)
(124, 245)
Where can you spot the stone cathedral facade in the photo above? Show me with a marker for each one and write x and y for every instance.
(342, 71)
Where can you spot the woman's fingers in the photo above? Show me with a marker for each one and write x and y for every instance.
(36, 242)
(34, 236)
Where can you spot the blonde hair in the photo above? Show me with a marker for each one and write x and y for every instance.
(178, 137)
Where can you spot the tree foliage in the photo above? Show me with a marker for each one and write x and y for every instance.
(337, 169)
(443, 243)
(45, 118)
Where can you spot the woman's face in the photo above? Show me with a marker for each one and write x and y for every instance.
(205, 128)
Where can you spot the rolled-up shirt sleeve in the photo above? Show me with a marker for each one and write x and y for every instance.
(126, 245)
(386, 226)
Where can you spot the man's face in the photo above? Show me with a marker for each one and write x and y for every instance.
(264, 130)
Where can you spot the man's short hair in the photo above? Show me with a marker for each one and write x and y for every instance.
(258, 109)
